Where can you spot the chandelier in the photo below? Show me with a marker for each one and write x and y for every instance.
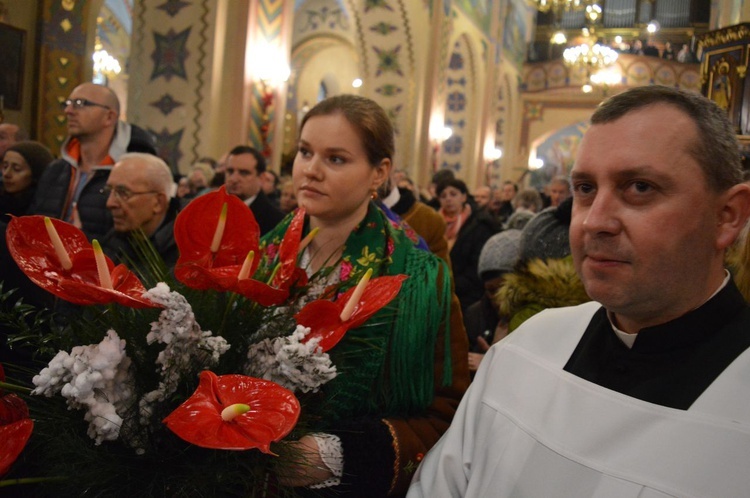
(590, 56)
(104, 63)
(557, 6)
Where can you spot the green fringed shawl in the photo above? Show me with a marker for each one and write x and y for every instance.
(386, 367)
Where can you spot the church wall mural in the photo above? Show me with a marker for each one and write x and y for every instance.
(168, 90)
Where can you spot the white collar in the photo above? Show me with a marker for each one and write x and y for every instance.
(629, 339)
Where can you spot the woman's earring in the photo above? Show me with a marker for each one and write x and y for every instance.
(374, 195)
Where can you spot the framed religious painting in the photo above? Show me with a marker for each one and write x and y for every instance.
(724, 55)
(12, 41)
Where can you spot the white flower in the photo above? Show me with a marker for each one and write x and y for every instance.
(290, 363)
(187, 346)
(96, 377)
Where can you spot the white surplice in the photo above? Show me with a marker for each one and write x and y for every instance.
(527, 428)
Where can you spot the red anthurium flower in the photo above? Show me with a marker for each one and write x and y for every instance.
(31, 246)
(235, 412)
(195, 231)
(287, 275)
(324, 317)
(15, 427)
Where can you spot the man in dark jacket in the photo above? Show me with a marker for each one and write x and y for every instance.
(242, 178)
(137, 194)
(70, 188)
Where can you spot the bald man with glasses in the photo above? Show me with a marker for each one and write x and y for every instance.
(138, 196)
(71, 187)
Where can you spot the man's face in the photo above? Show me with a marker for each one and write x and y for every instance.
(268, 182)
(644, 225)
(7, 136)
(89, 120)
(482, 196)
(241, 176)
(132, 201)
(558, 192)
(509, 192)
(198, 180)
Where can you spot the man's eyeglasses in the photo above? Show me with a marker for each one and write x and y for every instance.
(80, 104)
(123, 193)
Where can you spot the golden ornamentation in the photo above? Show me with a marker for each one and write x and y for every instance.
(725, 35)
(68, 4)
(66, 25)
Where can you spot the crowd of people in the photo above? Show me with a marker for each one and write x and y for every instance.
(649, 48)
(649, 317)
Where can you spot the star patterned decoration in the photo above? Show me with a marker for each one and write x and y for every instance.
(388, 90)
(173, 7)
(168, 146)
(388, 61)
(166, 104)
(533, 111)
(457, 62)
(170, 54)
(377, 4)
(456, 102)
(383, 28)
(454, 144)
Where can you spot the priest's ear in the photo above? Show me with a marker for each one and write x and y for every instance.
(733, 214)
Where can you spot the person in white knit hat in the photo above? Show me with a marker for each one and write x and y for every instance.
(482, 320)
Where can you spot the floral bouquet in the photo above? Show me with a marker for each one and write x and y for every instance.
(188, 387)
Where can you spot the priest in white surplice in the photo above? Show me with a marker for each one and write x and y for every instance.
(644, 392)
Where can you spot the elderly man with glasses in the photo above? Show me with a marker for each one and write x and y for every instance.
(70, 188)
(138, 197)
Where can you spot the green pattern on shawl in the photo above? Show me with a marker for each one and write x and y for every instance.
(386, 367)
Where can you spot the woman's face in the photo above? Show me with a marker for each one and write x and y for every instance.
(16, 173)
(332, 177)
(452, 200)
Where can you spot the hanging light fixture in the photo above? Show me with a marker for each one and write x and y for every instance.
(104, 63)
(590, 56)
(557, 5)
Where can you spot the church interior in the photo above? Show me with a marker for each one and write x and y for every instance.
(493, 89)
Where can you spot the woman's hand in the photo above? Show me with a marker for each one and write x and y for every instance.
(309, 469)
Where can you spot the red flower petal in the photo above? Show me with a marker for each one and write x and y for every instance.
(207, 271)
(13, 438)
(15, 428)
(194, 231)
(273, 413)
(12, 409)
(289, 249)
(31, 247)
(261, 293)
(323, 316)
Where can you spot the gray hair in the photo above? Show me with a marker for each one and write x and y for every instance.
(716, 149)
(157, 173)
